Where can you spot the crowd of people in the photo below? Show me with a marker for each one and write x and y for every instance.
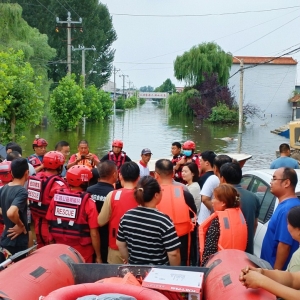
(113, 210)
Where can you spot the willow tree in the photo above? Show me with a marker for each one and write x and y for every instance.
(206, 58)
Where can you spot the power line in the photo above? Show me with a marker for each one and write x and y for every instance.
(71, 8)
(62, 5)
(205, 15)
(46, 7)
(267, 34)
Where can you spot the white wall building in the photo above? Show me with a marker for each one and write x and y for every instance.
(108, 87)
(268, 85)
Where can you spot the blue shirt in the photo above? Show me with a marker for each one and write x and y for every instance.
(277, 232)
(284, 162)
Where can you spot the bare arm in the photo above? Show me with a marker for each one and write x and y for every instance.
(96, 243)
(282, 254)
(13, 215)
(174, 257)
(206, 201)
(123, 250)
(39, 168)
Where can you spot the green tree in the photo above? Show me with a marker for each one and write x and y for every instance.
(16, 34)
(223, 114)
(147, 88)
(106, 102)
(93, 107)
(206, 58)
(66, 104)
(20, 101)
(96, 29)
(167, 86)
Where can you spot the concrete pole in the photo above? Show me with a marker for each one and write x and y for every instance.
(69, 59)
(83, 66)
(241, 96)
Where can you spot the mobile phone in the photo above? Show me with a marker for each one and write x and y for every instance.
(82, 156)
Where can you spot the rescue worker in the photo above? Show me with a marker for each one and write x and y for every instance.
(189, 155)
(226, 228)
(177, 155)
(83, 156)
(178, 204)
(116, 204)
(64, 148)
(72, 216)
(41, 189)
(5, 178)
(118, 156)
(39, 146)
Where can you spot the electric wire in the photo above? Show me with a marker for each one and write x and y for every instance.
(46, 8)
(71, 8)
(205, 15)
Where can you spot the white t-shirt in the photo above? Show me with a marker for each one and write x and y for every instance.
(207, 190)
(144, 171)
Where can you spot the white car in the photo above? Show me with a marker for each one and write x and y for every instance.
(258, 182)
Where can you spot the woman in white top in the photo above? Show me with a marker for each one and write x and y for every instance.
(190, 173)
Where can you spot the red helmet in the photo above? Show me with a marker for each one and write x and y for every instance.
(53, 160)
(117, 143)
(189, 145)
(39, 142)
(5, 172)
(78, 175)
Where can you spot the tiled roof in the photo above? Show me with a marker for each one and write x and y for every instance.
(262, 59)
(296, 98)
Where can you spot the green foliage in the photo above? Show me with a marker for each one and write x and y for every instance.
(20, 101)
(223, 114)
(167, 86)
(66, 104)
(120, 103)
(147, 88)
(130, 102)
(15, 33)
(106, 102)
(97, 30)
(93, 107)
(142, 101)
(205, 58)
(178, 103)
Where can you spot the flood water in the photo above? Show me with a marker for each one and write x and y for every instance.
(150, 125)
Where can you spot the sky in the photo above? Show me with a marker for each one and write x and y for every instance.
(147, 44)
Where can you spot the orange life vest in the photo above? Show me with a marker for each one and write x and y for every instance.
(121, 201)
(85, 162)
(233, 230)
(173, 204)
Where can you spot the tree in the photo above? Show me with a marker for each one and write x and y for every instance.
(66, 104)
(147, 88)
(96, 29)
(167, 86)
(16, 34)
(20, 101)
(206, 58)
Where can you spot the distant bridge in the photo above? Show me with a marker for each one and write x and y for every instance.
(149, 95)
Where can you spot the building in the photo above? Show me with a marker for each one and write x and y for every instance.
(268, 83)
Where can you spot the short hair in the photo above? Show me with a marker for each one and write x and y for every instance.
(293, 216)
(60, 145)
(284, 148)
(13, 155)
(221, 160)
(209, 156)
(164, 167)
(227, 194)
(289, 173)
(145, 190)
(14, 147)
(18, 167)
(106, 169)
(177, 144)
(194, 169)
(130, 171)
(83, 142)
(231, 172)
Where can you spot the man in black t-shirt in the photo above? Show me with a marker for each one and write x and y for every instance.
(206, 162)
(108, 175)
(13, 203)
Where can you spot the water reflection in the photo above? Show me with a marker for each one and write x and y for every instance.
(150, 125)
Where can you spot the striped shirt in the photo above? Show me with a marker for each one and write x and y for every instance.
(149, 235)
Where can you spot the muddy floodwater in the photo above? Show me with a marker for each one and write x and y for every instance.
(151, 125)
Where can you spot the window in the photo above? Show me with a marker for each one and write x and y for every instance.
(246, 181)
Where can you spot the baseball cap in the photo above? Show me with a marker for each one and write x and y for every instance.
(146, 151)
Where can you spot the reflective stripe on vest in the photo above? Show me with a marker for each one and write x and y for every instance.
(173, 204)
(119, 161)
(66, 228)
(233, 230)
(121, 201)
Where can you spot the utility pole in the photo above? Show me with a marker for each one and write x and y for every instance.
(69, 23)
(241, 96)
(129, 82)
(83, 49)
(115, 72)
(123, 83)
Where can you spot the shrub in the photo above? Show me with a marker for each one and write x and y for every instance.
(223, 114)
